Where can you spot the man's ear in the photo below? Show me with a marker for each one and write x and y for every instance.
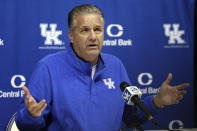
(70, 34)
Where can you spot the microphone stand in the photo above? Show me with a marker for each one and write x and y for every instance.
(135, 122)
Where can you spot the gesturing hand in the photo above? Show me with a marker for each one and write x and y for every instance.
(169, 95)
(34, 108)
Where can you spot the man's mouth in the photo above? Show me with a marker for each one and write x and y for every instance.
(92, 45)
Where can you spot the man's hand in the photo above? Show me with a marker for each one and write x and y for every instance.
(169, 95)
(34, 108)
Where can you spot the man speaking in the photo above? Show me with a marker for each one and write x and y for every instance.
(78, 89)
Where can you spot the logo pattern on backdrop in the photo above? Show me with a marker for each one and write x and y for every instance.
(145, 80)
(1, 42)
(116, 41)
(175, 36)
(51, 35)
(17, 82)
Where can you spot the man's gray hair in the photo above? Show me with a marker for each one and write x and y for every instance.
(83, 9)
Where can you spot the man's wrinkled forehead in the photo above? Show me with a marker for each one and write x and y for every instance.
(82, 20)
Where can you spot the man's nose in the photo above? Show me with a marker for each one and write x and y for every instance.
(92, 36)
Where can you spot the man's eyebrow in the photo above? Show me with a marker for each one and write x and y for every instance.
(98, 26)
(86, 26)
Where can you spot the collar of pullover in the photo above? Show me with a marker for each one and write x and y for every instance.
(81, 65)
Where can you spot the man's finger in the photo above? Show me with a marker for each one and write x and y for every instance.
(27, 99)
(181, 86)
(177, 102)
(45, 105)
(40, 105)
(168, 79)
(25, 89)
(182, 92)
(180, 97)
(31, 100)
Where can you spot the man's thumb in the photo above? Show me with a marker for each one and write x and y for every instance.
(168, 79)
(25, 89)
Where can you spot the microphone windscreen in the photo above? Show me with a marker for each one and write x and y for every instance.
(123, 85)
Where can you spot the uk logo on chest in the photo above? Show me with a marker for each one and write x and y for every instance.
(109, 83)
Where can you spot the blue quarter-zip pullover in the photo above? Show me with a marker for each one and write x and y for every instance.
(75, 101)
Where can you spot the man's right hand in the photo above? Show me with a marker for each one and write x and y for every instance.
(34, 108)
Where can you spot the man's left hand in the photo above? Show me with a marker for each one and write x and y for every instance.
(169, 95)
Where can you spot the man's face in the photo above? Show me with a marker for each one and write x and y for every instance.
(87, 36)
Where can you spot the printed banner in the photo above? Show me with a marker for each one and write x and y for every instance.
(152, 38)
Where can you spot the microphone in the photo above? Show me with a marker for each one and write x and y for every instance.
(131, 95)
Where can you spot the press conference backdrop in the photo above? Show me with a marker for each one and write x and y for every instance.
(151, 37)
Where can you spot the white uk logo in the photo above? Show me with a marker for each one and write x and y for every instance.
(51, 35)
(126, 96)
(1, 42)
(175, 34)
(108, 82)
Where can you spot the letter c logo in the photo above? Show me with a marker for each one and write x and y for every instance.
(21, 77)
(119, 27)
(140, 81)
(180, 123)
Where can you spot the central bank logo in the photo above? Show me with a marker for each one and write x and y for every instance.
(108, 82)
(51, 35)
(145, 81)
(118, 33)
(175, 36)
(115, 32)
(1, 42)
(18, 81)
(176, 124)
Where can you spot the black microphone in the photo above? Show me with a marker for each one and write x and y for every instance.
(131, 94)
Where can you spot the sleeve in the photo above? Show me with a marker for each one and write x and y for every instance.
(128, 109)
(40, 88)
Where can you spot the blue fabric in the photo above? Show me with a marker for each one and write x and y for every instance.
(75, 101)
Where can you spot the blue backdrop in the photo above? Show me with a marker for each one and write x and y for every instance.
(152, 38)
